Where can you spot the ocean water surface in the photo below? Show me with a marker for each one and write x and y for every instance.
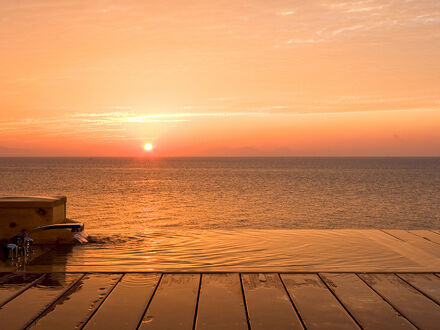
(197, 213)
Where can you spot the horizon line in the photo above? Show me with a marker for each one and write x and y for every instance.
(175, 157)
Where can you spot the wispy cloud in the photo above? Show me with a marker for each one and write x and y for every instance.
(363, 9)
(347, 29)
(222, 99)
(287, 12)
(306, 41)
(118, 107)
(112, 121)
(122, 117)
(427, 18)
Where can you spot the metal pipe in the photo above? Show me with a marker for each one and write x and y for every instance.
(22, 244)
(75, 227)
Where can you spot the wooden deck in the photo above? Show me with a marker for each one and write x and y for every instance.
(220, 301)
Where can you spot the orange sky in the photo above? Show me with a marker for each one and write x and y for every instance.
(220, 78)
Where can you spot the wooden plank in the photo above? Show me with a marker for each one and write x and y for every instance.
(421, 259)
(403, 235)
(418, 309)
(3, 276)
(427, 234)
(416, 241)
(19, 312)
(429, 284)
(174, 304)
(268, 303)
(76, 306)
(126, 304)
(221, 292)
(317, 306)
(13, 284)
(369, 309)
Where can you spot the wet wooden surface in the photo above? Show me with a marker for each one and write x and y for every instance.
(366, 306)
(174, 303)
(316, 304)
(268, 305)
(75, 307)
(126, 304)
(428, 235)
(12, 285)
(420, 310)
(220, 301)
(295, 300)
(221, 292)
(416, 240)
(23, 309)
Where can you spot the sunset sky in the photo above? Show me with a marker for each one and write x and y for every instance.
(220, 78)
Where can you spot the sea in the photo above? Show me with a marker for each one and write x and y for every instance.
(210, 213)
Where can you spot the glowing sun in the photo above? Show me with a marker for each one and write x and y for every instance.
(148, 147)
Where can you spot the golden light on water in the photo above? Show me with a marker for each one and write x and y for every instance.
(148, 147)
